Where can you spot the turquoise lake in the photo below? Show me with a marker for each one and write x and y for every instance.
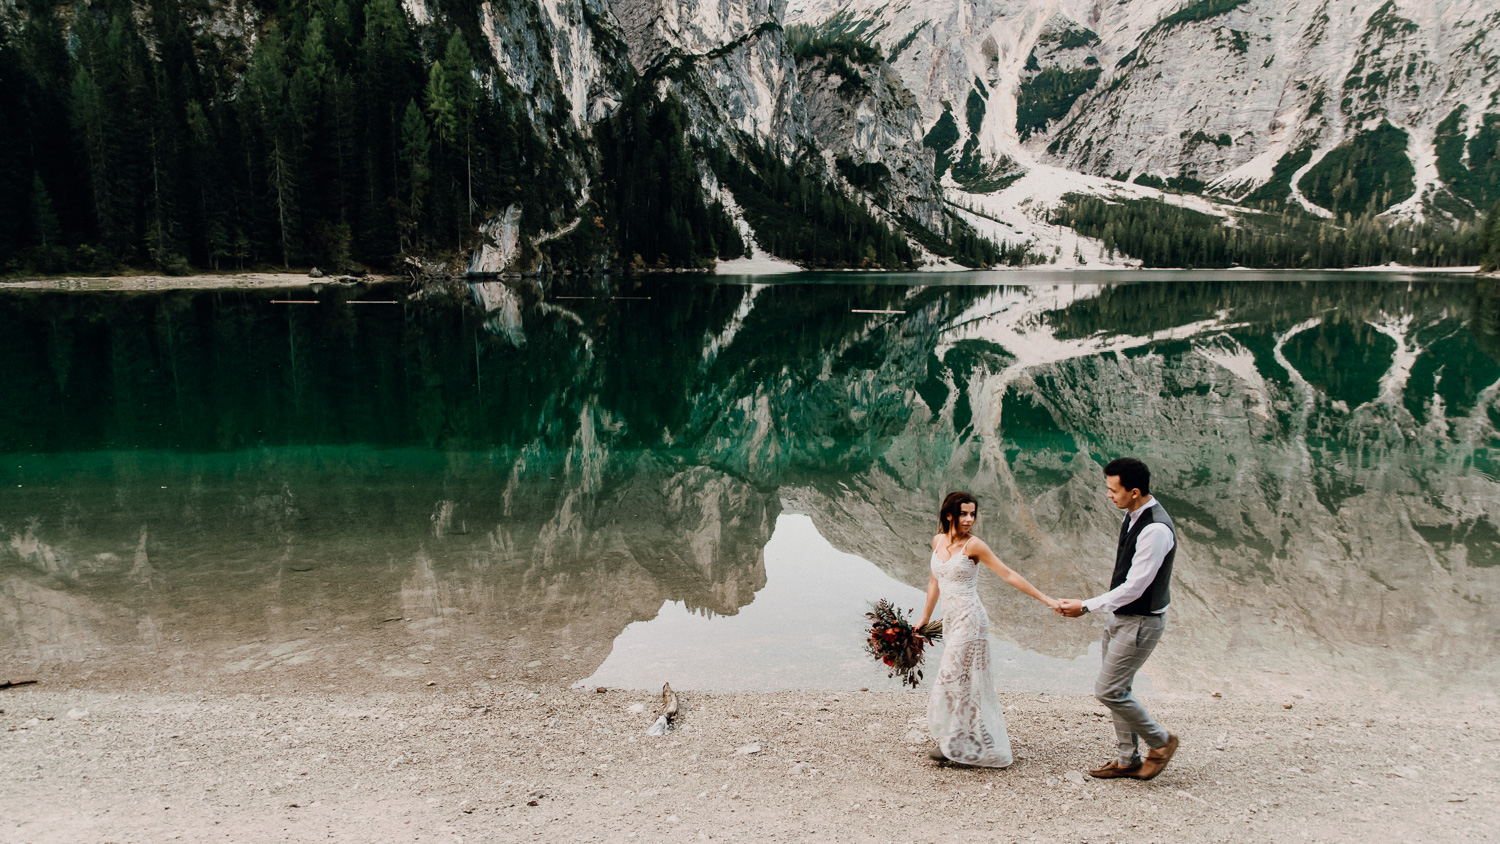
(705, 479)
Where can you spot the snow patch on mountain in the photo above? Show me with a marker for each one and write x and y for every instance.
(759, 261)
(1020, 212)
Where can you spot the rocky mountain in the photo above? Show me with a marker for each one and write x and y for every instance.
(598, 134)
(1333, 108)
(742, 85)
(1236, 97)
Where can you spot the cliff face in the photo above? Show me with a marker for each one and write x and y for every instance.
(1232, 94)
(730, 66)
(728, 61)
(1353, 107)
(561, 53)
(872, 127)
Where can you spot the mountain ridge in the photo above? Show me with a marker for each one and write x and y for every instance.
(953, 137)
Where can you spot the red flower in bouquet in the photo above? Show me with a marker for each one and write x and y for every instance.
(895, 643)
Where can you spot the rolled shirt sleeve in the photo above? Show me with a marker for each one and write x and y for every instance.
(1151, 549)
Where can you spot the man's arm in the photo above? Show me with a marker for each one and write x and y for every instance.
(1151, 549)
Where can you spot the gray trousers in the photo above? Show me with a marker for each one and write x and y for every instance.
(1128, 640)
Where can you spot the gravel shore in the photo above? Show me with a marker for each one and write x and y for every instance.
(528, 762)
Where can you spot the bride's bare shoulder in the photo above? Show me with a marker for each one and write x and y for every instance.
(937, 539)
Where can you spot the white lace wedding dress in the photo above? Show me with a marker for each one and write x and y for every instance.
(964, 711)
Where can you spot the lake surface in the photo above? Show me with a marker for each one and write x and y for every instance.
(705, 480)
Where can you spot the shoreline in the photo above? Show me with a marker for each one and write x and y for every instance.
(772, 268)
(204, 281)
(532, 762)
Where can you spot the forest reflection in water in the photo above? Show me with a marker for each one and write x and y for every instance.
(498, 480)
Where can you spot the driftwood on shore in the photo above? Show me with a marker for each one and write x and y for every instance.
(13, 683)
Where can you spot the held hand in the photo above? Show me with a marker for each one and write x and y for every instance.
(1070, 607)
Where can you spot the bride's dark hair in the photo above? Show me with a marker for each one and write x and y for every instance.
(952, 507)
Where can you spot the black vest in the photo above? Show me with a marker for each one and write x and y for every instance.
(1158, 592)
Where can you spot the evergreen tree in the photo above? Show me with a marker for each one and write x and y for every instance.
(87, 116)
(438, 98)
(385, 86)
(46, 231)
(446, 212)
(45, 73)
(458, 64)
(162, 234)
(416, 146)
(1490, 258)
(279, 139)
(1163, 235)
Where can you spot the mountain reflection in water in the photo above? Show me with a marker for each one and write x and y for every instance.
(498, 480)
(805, 630)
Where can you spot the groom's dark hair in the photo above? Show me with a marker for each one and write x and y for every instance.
(1132, 473)
(953, 505)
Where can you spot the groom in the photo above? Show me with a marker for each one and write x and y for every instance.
(1137, 598)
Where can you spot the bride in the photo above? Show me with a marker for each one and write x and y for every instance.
(964, 711)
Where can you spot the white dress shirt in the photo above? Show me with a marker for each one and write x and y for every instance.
(1151, 549)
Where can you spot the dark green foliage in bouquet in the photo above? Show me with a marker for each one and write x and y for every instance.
(898, 645)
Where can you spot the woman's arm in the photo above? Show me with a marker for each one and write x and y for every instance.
(932, 589)
(984, 555)
(932, 599)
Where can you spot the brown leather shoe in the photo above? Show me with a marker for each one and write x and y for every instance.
(1113, 769)
(1156, 761)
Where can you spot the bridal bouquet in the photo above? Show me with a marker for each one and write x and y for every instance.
(892, 640)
